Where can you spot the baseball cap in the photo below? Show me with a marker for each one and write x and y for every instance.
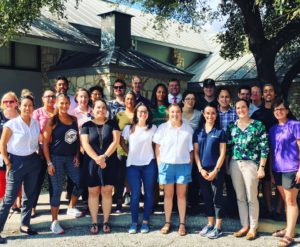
(209, 83)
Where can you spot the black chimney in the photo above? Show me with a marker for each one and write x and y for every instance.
(115, 30)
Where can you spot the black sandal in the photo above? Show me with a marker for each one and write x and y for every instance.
(106, 227)
(28, 231)
(94, 228)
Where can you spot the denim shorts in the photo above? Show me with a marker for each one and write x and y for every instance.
(174, 173)
(286, 180)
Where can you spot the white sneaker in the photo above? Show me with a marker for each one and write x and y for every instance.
(56, 228)
(74, 212)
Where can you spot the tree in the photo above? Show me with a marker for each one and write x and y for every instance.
(259, 26)
(16, 16)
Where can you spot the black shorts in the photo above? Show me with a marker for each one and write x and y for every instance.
(286, 180)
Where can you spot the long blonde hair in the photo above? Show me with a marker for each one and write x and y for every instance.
(9, 93)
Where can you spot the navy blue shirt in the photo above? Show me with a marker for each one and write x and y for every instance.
(65, 139)
(209, 145)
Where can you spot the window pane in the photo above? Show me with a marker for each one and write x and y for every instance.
(5, 55)
(26, 56)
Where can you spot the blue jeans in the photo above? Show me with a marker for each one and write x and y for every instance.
(23, 169)
(62, 163)
(136, 175)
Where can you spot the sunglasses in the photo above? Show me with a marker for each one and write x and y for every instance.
(119, 87)
(50, 96)
(9, 101)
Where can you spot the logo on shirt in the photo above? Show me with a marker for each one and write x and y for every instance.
(71, 136)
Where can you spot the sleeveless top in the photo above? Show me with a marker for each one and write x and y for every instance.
(65, 139)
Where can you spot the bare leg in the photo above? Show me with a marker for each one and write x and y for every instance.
(181, 190)
(168, 201)
(291, 211)
(93, 202)
(106, 192)
(54, 213)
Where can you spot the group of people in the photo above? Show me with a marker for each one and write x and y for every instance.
(131, 143)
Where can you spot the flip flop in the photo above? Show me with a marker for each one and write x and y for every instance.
(285, 241)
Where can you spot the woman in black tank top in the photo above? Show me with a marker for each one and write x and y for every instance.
(61, 151)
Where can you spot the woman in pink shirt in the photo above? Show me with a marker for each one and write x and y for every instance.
(42, 115)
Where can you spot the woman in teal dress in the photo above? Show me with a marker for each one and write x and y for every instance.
(159, 101)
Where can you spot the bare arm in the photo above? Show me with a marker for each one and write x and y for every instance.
(46, 141)
(123, 144)
(6, 134)
(297, 178)
(157, 153)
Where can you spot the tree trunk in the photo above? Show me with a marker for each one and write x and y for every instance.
(265, 69)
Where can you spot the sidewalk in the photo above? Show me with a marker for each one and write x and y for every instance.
(43, 220)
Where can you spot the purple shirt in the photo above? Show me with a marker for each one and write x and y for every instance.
(285, 151)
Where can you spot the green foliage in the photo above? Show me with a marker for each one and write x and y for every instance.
(291, 8)
(16, 16)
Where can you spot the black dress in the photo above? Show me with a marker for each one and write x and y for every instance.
(100, 137)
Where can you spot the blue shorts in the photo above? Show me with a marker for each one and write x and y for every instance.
(174, 173)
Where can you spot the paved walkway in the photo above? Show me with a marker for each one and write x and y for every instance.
(77, 233)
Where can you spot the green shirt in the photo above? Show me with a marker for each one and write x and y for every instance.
(250, 144)
(122, 119)
(159, 115)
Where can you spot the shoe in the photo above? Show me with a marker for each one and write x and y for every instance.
(132, 229)
(279, 233)
(74, 212)
(145, 228)
(56, 228)
(119, 209)
(251, 235)
(286, 241)
(166, 228)
(106, 227)
(214, 234)
(240, 233)
(205, 230)
(127, 199)
(15, 210)
(2, 240)
(28, 231)
(181, 229)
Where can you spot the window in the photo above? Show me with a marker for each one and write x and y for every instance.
(20, 56)
(5, 55)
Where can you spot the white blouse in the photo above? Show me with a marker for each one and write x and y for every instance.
(140, 145)
(175, 143)
(24, 139)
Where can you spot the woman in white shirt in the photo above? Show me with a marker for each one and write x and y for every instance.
(141, 165)
(174, 157)
(18, 146)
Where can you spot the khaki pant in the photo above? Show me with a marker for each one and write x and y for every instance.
(245, 183)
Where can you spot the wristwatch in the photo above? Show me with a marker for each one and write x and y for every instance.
(105, 157)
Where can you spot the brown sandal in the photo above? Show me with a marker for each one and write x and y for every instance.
(285, 241)
(166, 228)
(181, 229)
(240, 233)
(279, 233)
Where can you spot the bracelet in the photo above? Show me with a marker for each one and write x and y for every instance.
(218, 169)
(105, 157)
(49, 163)
(262, 166)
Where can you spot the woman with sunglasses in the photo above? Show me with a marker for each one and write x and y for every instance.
(141, 165)
(123, 118)
(42, 115)
(100, 138)
(9, 110)
(61, 150)
(174, 154)
(285, 150)
(18, 146)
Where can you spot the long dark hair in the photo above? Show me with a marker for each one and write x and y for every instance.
(217, 124)
(153, 96)
(135, 118)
